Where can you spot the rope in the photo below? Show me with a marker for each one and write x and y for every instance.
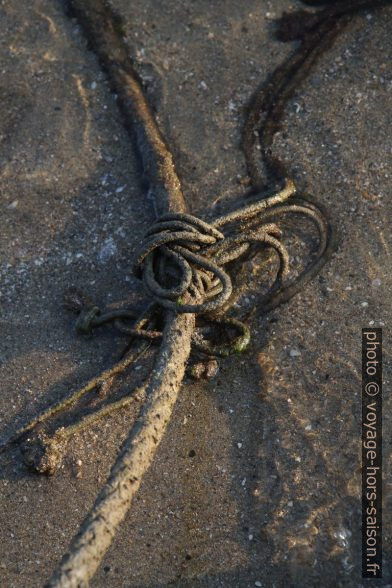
(186, 264)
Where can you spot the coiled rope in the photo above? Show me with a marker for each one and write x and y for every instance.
(183, 258)
(188, 265)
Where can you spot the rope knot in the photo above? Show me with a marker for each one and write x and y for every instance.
(77, 301)
(181, 259)
(86, 319)
(179, 264)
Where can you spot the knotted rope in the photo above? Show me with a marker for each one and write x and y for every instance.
(186, 264)
(176, 263)
(182, 258)
(189, 266)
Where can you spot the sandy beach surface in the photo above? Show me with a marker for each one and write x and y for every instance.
(257, 481)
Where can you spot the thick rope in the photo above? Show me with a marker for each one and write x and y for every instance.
(187, 265)
(182, 254)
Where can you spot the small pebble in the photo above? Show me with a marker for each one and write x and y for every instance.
(203, 85)
(107, 251)
(258, 583)
(13, 204)
(212, 369)
(196, 371)
(364, 304)
(93, 85)
(294, 353)
(239, 445)
(204, 369)
(376, 282)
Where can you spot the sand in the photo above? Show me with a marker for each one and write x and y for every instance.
(257, 482)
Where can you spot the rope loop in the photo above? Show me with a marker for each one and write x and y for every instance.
(181, 260)
(86, 319)
(176, 267)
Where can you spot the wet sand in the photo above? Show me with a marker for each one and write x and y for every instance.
(257, 481)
